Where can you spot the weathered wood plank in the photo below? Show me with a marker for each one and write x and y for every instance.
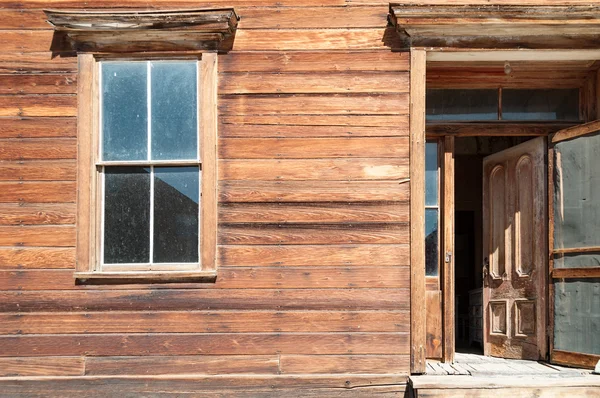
(298, 234)
(38, 149)
(379, 38)
(417, 210)
(189, 364)
(227, 130)
(309, 39)
(120, 322)
(162, 4)
(311, 191)
(254, 17)
(36, 366)
(301, 255)
(259, 386)
(19, 62)
(311, 148)
(313, 169)
(298, 18)
(37, 214)
(206, 299)
(38, 236)
(37, 192)
(314, 61)
(205, 344)
(38, 84)
(399, 122)
(38, 105)
(64, 170)
(231, 278)
(303, 104)
(312, 82)
(30, 258)
(39, 127)
(332, 364)
(318, 213)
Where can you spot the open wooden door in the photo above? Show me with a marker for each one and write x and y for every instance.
(574, 171)
(515, 250)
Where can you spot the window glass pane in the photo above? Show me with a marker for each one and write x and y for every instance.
(458, 104)
(174, 110)
(577, 199)
(431, 242)
(577, 315)
(176, 200)
(124, 111)
(431, 174)
(126, 215)
(551, 104)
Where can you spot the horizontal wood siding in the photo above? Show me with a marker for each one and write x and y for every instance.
(313, 255)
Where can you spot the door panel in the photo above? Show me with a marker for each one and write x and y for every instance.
(515, 242)
(574, 164)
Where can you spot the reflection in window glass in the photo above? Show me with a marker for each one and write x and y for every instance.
(126, 215)
(577, 315)
(577, 200)
(174, 110)
(431, 174)
(462, 105)
(550, 104)
(176, 200)
(431, 242)
(124, 111)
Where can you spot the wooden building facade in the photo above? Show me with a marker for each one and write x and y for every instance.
(310, 223)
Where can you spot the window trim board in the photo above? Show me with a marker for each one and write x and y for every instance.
(89, 195)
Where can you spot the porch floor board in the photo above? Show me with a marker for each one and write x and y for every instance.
(479, 376)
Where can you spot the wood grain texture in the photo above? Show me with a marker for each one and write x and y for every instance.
(38, 84)
(36, 366)
(313, 148)
(204, 322)
(44, 61)
(356, 169)
(38, 236)
(290, 39)
(399, 122)
(39, 127)
(206, 299)
(417, 210)
(309, 277)
(304, 104)
(315, 61)
(189, 364)
(29, 258)
(327, 213)
(38, 149)
(240, 130)
(260, 386)
(37, 192)
(37, 214)
(322, 255)
(63, 170)
(301, 234)
(312, 191)
(205, 344)
(38, 105)
(312, 82)
(370, 364)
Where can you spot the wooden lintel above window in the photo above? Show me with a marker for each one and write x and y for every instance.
(110, 31)
(497, 26)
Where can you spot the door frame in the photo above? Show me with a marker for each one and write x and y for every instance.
(417, 130)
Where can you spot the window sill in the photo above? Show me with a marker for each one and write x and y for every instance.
(113, 278)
